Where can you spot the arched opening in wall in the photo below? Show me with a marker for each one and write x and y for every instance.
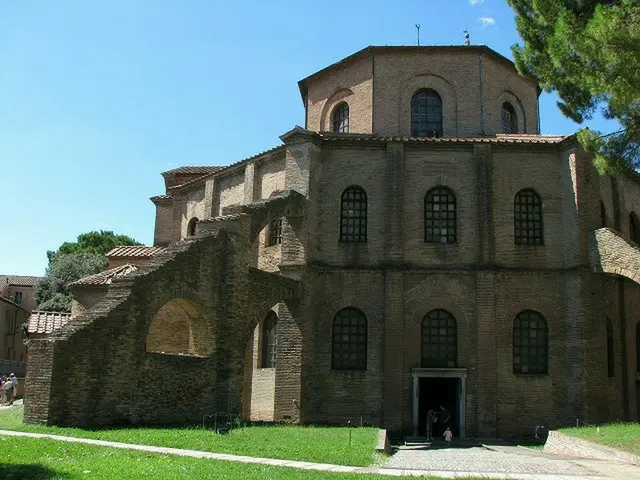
(353, 215)
(179, 328)
(508, 118)
(191, 227)
(527, 218)
(426, 114)
(530, 343)
(440, 216)
(611, 369)
(439, 340)
(634, 227)
(340, 118)
(264, 368)
(603, 215)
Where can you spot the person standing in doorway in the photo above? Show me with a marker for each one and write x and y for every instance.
(444, 417)
(432, 417)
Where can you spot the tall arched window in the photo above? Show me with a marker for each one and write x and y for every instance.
(527, 218)
(353, 215)
(530, 343)
(191, 227)
(603, 215)
(611, 369)
(440, 216)
(269, 340)
(349, 344)
(439, 340)
(340, 118)
(634, 227)
(426, 114)
(509, 119)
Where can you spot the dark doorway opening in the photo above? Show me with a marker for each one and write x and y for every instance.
(435, 392)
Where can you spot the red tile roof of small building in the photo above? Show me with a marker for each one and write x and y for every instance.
(135, 251)
(47, 322)
(192, 170)
(21, 280)
(105, 277)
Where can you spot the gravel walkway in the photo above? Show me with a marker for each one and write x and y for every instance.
(479, 459)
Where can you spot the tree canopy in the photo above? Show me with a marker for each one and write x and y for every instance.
(72, 261)
(589, 52)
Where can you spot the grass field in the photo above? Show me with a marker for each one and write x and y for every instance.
(623, 436)
(36, 459)
(311, 444)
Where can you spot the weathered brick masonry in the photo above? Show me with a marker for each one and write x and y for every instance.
(204, 301)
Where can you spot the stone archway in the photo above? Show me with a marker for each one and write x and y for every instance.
(610, 253)
(179, 328)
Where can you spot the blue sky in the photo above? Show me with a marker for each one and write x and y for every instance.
(98, 97)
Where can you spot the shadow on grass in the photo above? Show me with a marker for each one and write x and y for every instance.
(29, 472)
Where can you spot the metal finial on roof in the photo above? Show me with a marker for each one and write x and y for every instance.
(467, 41)
(418, 27)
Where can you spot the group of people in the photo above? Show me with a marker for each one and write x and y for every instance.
(442, 417)
(8, 389)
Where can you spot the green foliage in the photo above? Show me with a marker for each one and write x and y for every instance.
(623, 436)
(312, 444)
(35, 459)
(588, 51)
(93, 242)
(72, 261)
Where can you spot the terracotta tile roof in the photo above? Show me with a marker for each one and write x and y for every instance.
(22, 280)
(192, 170)
(47, 322)
(135, 251)
(502, 138)
(223, 169)
(105, 278)
(159, 198)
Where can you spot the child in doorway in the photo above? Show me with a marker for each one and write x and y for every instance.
(448, 435)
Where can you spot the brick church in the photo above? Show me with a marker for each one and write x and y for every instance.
(417, 244)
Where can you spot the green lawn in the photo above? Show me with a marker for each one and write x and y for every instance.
(312, 444)
(623, 436)
(35, 459)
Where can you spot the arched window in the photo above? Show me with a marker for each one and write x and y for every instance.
(611, 369)
(349, 345)
(353, 215)
(440, 216)
(638, 348)
(530, 343)
(191, 227)
(269, 340)
(634, 227)
(426, 114)
(509, 119)
(527, 218)
(439, 340)
(275, 232)
(603, 215)
(340, 118)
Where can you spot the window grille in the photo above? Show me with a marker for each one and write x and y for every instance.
(349, 345)
(439, 340)
(275, 232)
(440, 216)
(341, 118)
(509, 119)
(527, 218)
(353, 215)
(530, 343)
(426, 114)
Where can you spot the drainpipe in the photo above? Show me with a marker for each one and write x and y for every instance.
(480, 66)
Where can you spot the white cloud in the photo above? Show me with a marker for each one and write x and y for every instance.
(475, 2)
(487, 21)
